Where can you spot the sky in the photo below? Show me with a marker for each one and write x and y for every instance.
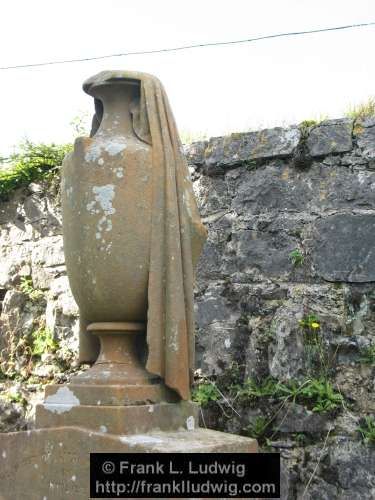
(213, 90)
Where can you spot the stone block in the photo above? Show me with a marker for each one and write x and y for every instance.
(195, 152)
(132, 419)
(55, 463)
(114, 395)
(267, 253)
(240, 148)
(331, 136)
(343, 248)
(296, 418)
(364, 131)
(286, 360)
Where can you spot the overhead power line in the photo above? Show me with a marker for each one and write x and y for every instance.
(185, 47)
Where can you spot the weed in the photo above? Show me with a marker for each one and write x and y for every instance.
(368, 355)
(289, 390)
(363, 110)
(250, 165)
(296, 257)
(43, 342)
(33, 162)
(300, 438)
(205, 393)
(15, 397)
(367, 430)
(250, 389)
(28, 289)
(318, 394)
(310, 321)
(308, 123)
(257, 428)
(321, 395)
(317, 354)
(233, 375)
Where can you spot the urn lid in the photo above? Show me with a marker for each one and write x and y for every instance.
(113, 77)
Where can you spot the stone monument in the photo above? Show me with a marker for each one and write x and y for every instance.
(132, 237)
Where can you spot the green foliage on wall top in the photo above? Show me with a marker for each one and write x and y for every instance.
(31, 163)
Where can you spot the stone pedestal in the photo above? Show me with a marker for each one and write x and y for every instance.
(118, 376)
(122, 420)
(54, 464)
(115, 406)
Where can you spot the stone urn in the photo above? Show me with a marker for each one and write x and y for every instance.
(132, 236)
(106, 205)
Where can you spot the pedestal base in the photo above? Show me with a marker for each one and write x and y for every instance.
(119, 419)
(55, 463)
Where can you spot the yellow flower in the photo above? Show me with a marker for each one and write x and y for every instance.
(315, 325)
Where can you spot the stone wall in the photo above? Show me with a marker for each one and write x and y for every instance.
(291, 219)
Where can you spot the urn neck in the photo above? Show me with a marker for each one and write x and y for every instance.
(116, 100)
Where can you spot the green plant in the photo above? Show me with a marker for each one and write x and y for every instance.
(31, 163)
(250, 164)
(28, 289)
(205, 393)
(15, 397)
(308, 123)
(257, 428)
(289, 390)
(300, 438)
(296, 257)
(43, 342)
(250, 389)
(367, 430)
(321, 395)
(311, 321)
(362, 110)
(368, 355)
(317, 394)
(318, 358)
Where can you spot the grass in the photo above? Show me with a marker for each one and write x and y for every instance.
(367, 430)
(362, 110)
(31, 163)
(313, 122)
(317, 394)
(257, 428)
